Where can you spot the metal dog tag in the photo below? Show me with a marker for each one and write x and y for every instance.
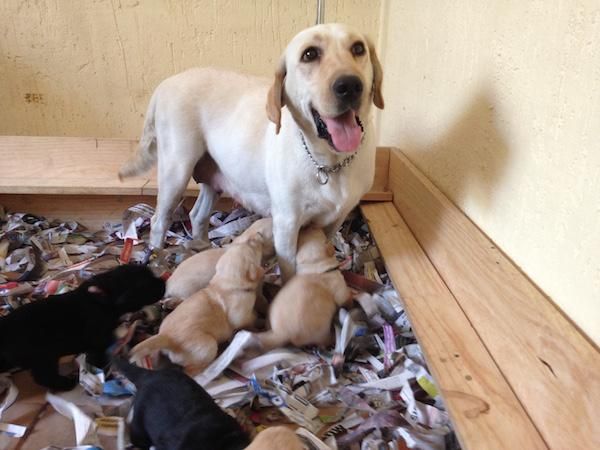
(322, 176)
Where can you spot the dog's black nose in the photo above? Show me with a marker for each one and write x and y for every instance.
(348, 88)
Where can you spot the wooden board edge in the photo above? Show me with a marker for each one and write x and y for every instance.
(70, 190)
(125, 148)
(478, 398)
(91, 211)
(550, 364)
(377, 196)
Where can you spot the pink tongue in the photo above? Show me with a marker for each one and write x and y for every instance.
(344, 131)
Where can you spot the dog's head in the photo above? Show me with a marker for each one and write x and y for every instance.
(263, 226)
(240, 266)
(128, 288)
(315, 253)
(327, 77)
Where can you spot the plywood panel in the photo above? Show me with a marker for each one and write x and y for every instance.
(89, 166)
(485, 412)
(53, 165)
(552, 368)
(91, 211)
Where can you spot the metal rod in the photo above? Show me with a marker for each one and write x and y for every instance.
(320, 11)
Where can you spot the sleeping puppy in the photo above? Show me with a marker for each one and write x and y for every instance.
(36, 335)
(301, 312)
(172, 412)
(191, 333)
(194, 273)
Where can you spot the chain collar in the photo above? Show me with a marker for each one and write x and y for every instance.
(324, 171)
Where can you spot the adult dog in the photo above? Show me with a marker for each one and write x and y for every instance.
(312, 164)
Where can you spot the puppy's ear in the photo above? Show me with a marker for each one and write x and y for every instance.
(255, 241)
(377, 76)
(255, 273)
(275, 99)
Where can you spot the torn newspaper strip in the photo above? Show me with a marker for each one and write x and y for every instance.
(370, 390)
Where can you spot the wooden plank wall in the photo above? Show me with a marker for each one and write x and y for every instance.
(91, 211)
(552, 368)
(478, 398)
(89, 166)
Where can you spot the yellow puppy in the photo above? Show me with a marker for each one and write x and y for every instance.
(315, 253)
(276, 438)
(301, 312)
(194, 273)
(191, 333)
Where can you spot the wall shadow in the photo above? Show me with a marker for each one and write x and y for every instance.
(467, 162)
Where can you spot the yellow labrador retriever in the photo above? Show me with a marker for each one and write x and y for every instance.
(308, 159)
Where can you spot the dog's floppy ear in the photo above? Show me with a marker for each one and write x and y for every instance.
(275, 100)
(377, 76)
(255, 272)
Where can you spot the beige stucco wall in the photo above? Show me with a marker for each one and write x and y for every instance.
(88, 67)
(499, 103)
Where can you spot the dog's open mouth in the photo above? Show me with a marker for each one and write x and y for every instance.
(343, 132)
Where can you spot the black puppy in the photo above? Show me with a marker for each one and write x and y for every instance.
(172, 412)
(36, 335)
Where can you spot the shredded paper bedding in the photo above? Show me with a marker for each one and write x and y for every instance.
(371, 390)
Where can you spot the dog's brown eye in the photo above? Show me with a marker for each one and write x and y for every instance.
(310, 54)
(358, 49)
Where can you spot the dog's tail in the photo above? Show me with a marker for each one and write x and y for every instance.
(151, 345)
(146, 156)
(270, 340)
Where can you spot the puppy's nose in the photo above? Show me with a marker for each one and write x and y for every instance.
(347, 88)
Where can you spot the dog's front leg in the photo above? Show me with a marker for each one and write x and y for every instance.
(285, 237)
